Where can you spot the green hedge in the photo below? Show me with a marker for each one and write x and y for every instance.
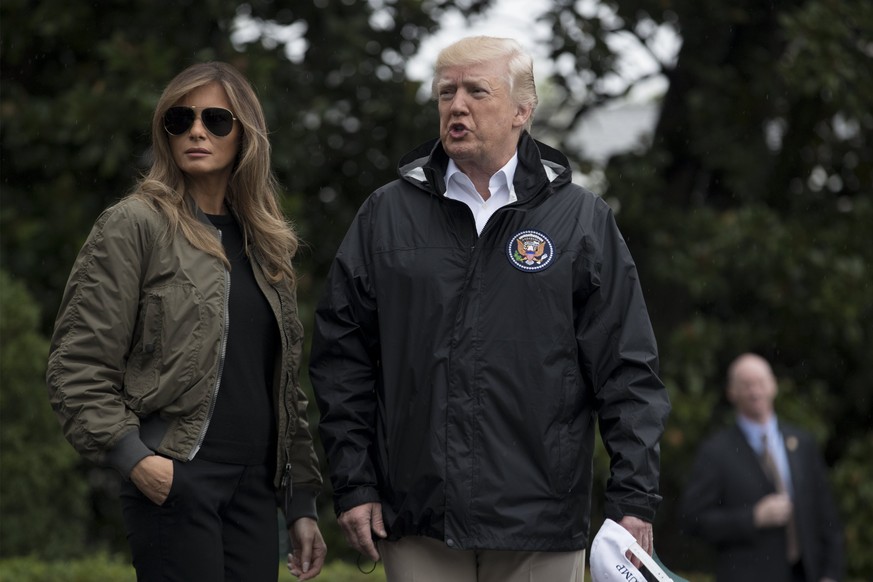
(41, 484)
(98, 567)
(108, 568)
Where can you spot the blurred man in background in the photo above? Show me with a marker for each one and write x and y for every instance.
(758, 491)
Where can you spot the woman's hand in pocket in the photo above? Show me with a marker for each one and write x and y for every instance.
(153, 476)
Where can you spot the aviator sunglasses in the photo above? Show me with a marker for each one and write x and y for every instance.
(217, 120)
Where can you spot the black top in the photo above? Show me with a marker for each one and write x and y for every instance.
(243, 425)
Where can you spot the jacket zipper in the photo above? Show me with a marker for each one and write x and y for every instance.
(283, 394)
(215, 388)
(288, 488)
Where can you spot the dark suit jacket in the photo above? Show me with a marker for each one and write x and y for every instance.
(725, 483)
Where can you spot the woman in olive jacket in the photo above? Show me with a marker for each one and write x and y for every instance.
(176, 351)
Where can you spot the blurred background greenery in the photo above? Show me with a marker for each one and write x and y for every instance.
(748, 206)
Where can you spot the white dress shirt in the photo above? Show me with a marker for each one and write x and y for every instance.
(460, 187)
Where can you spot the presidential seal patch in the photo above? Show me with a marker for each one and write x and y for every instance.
(530, 251)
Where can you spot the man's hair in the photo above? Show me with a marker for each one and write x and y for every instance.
(477, 50)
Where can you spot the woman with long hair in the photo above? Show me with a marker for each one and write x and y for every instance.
(176, 351)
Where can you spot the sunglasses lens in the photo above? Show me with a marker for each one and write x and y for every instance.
(177, 120)
(218, 121)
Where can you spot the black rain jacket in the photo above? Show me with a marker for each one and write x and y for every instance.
(459, 375)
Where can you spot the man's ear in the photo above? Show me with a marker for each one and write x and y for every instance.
(522, 114)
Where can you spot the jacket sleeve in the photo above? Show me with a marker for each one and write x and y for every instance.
(619, 361)
(300, 481)
(829, 527)
(91, 339)
(344, 368)
(305, 475)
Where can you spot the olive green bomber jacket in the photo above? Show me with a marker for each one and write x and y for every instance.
(138, 346)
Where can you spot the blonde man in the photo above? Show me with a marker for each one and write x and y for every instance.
(481, 312)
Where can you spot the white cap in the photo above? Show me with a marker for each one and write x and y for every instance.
(609, 562)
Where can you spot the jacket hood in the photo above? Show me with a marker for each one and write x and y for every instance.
(425, 166)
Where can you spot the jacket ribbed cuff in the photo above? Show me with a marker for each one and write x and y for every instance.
(302, 505)
(127, 452)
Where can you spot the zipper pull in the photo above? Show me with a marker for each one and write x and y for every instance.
(287, 485)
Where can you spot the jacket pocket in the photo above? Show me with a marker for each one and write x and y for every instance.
(165, 347)
(176, 486)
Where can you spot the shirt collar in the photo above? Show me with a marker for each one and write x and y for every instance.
(503, 177)
(753, 431)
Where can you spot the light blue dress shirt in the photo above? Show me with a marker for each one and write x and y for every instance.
(754, 433)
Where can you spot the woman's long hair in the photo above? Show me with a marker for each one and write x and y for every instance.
(252, 193)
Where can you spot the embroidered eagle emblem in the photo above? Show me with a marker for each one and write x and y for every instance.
(530, 251)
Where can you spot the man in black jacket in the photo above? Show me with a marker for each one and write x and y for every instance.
(481, 313)
(758, 491)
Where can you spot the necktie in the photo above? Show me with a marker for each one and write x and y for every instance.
(772, 472)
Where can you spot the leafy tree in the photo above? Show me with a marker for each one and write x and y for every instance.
(748, 209)
(43, 499)
(80, 82)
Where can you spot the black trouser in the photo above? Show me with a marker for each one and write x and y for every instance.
(218, 523)
(798, 573)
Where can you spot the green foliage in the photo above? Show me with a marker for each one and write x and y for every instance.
(829, 54)
(748, 215)
(853, 479)
(41, 488)
(108, 568)
(80, 83)
(79, 86)
(344, 571)
(99, 567)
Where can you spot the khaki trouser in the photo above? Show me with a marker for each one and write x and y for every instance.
(422, 559)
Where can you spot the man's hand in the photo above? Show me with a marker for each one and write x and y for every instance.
(642, 532)
(308, 549)
(359, 524)
(773, 510)
(153, 476)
